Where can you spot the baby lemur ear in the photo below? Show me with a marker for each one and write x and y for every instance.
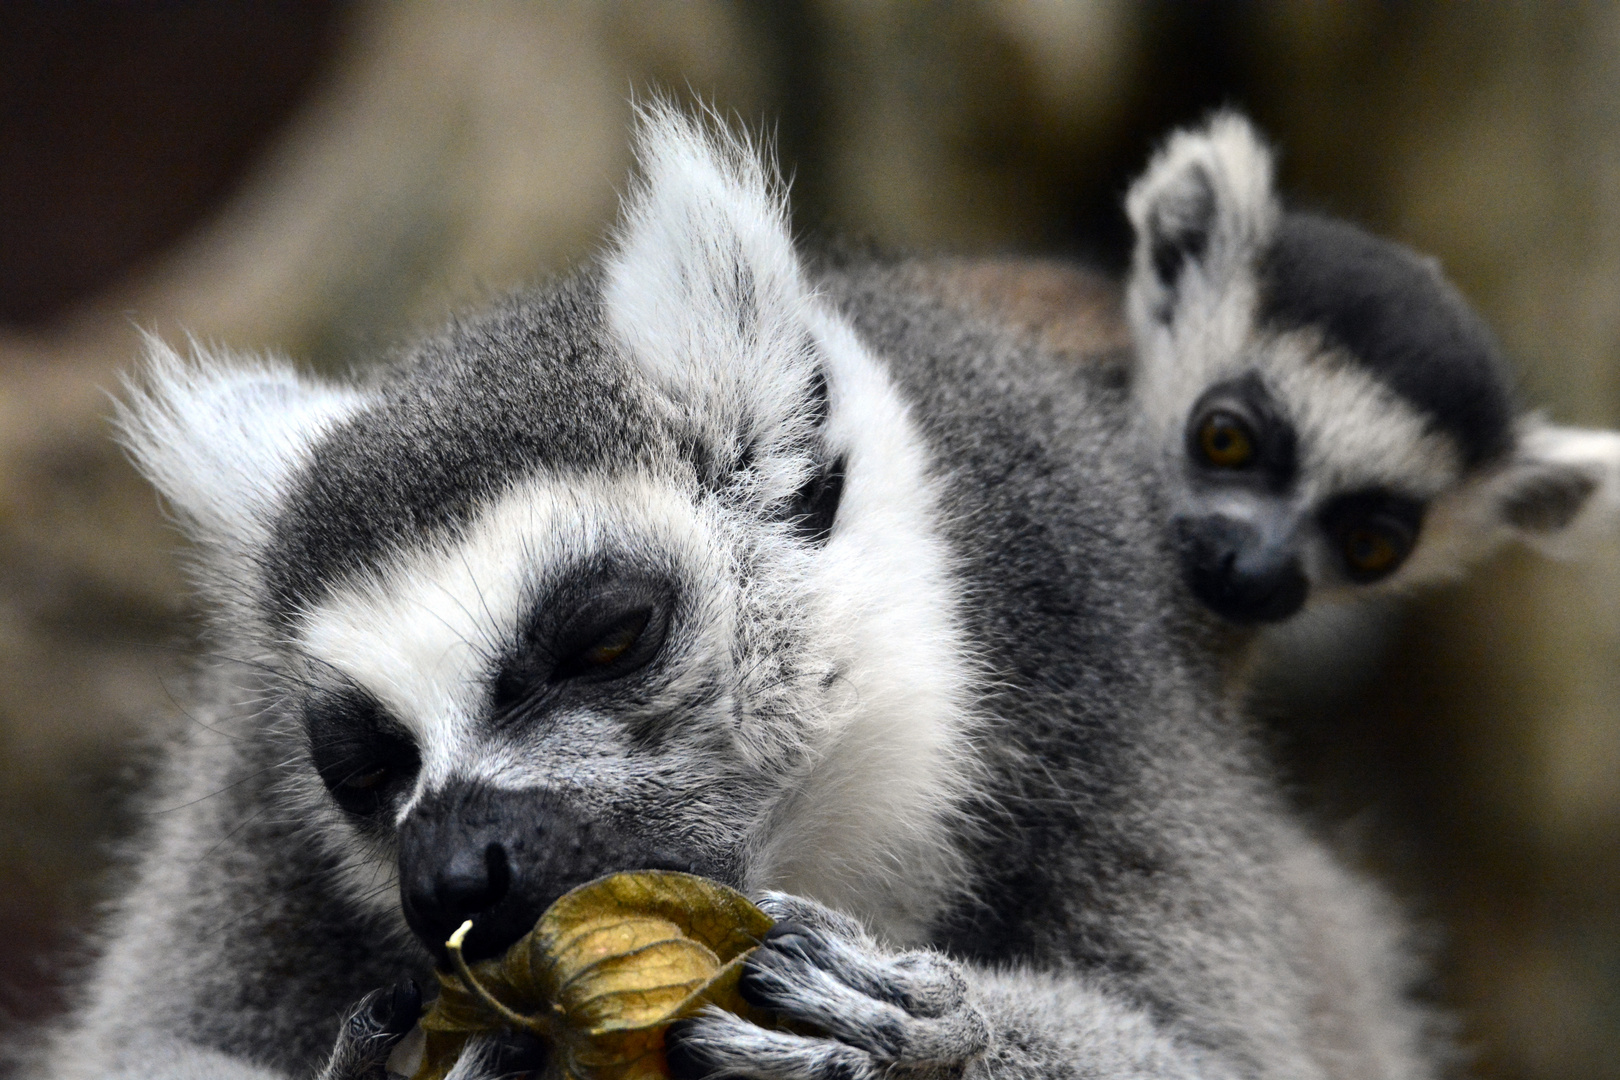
(1203, 213)
(1560, 492)
(705, 291)
(221, 436)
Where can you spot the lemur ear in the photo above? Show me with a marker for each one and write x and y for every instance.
(1203, 213)
(1561, 490)
(705, 291)
(220, 436)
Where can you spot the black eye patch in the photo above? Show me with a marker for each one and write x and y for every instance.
(597, 630)
(1236, 433)
(363, 756)
(1372, 531)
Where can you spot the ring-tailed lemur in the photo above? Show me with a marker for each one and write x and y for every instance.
(702, 558)
(1334, 415)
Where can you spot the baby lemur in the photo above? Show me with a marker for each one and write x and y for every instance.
(1334, 418)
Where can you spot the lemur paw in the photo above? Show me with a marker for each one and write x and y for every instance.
(878, 1010)
(371, 1030)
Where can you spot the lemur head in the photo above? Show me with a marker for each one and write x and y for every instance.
(637, 571)
(1334, 416)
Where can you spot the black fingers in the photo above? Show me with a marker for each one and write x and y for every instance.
(905, 1010)
(517, 1053)
(921, 983)
(393, 1011)
(685, 1056)
(371, 1030)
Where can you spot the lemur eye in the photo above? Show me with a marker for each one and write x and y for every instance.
(1373, 551)
(1374, 531)
(1226, 440)
(368, 779)
(612, 646)
(358, 753)
(616, 632)
(608, 630)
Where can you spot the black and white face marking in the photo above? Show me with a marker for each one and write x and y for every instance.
(1265, 512)
(532, 691)
(642, 571)
(1237, 533)
(596, 676)
(1269, 330)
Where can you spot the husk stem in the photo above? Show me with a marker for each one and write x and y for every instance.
(538, 1025)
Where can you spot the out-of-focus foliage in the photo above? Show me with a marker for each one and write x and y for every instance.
(381, 164)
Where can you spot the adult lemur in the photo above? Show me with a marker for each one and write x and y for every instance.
(795, 578)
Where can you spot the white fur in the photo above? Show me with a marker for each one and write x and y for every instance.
(704, 288)
(1216, 294)
(865, 827)
(221, 436)
(1467, 524)
(1593, 454)
(864, 833)
(710, 214)
(424, 636)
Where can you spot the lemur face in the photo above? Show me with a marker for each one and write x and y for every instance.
(500, 713)
(1331, 415)
(638, 572)
(1252, 537)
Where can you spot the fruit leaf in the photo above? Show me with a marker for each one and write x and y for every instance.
(602, 974)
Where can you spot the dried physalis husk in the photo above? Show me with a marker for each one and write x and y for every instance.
(602, 975)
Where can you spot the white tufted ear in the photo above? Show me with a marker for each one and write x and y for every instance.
(1203, 213)
(220, 436)
(704, 288)
(1560, 492)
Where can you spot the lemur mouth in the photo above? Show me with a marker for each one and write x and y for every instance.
(500, 858)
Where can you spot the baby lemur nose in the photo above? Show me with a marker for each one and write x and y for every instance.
(1239, 573)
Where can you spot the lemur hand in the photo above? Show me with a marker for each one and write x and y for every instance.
(371, 1030)
(880, 1010)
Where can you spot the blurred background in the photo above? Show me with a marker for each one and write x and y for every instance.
(318, 178)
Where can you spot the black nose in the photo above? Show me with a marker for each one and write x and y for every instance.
(456, 863)
(500, 858)
(470, 883)
(1237, 573)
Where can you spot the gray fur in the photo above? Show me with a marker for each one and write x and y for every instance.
(1096, 878)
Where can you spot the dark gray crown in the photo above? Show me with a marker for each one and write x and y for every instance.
(1396, 314)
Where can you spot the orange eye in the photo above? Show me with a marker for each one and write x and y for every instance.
(1370, 550)
(606, 639)
(617, 640)
(367, 780)
(1226, 440)
(613, 646)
